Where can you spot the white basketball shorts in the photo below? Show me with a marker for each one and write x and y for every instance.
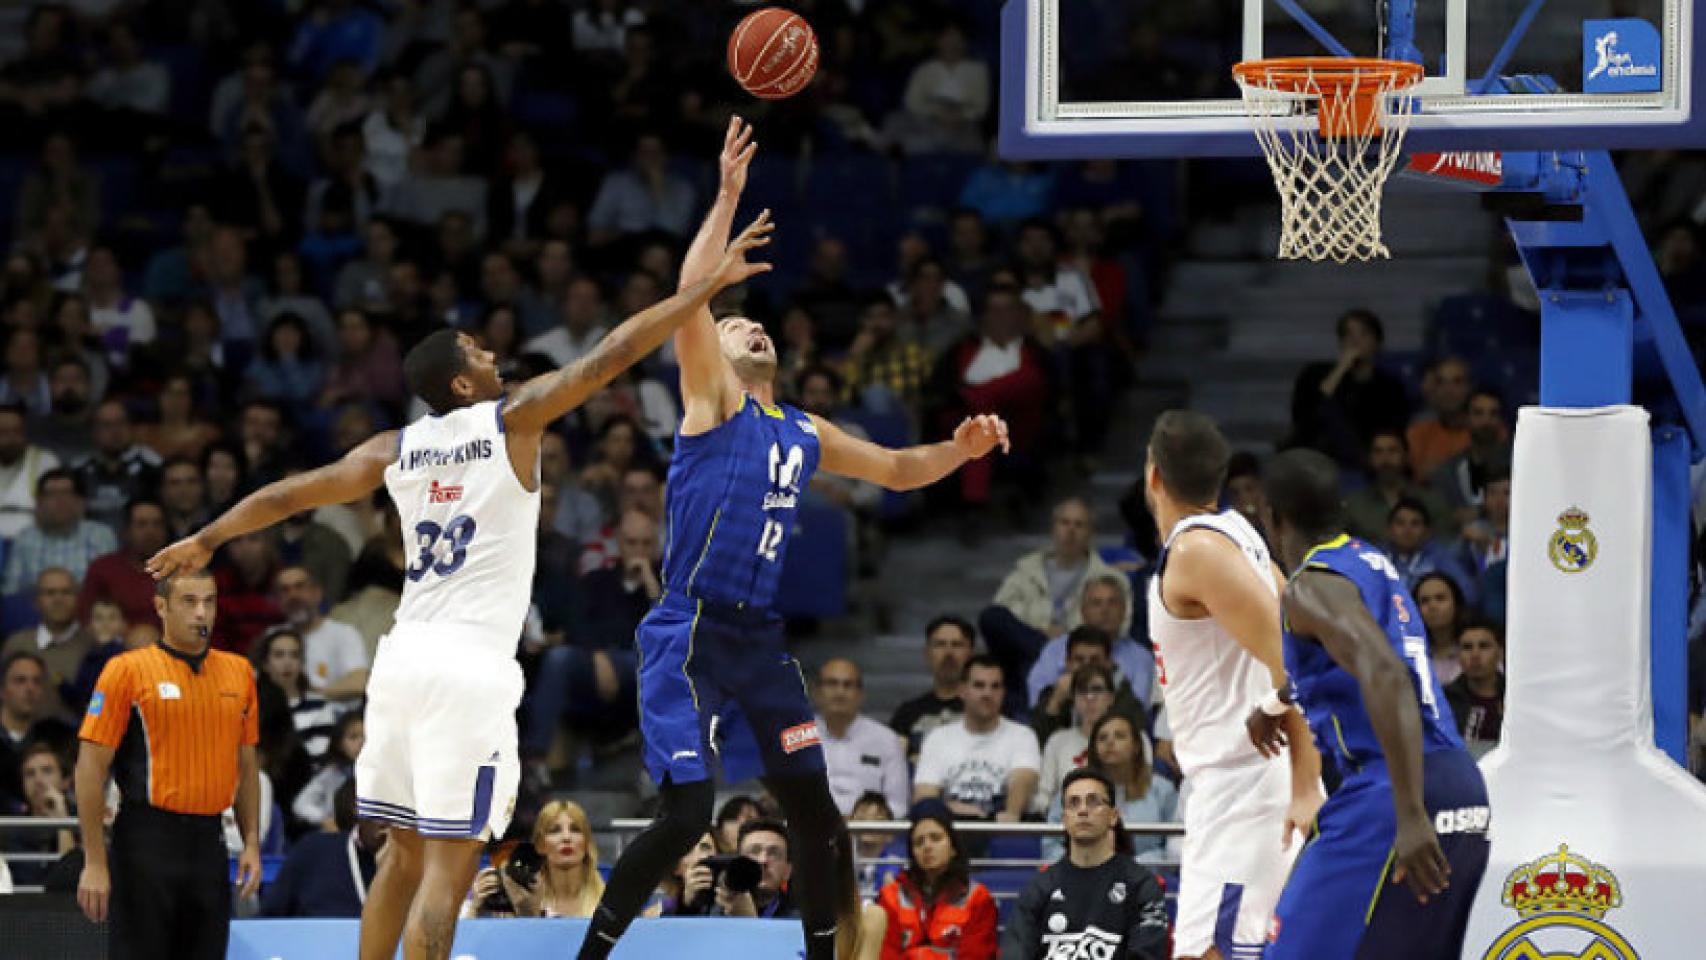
(1232, 869)
(441, 751)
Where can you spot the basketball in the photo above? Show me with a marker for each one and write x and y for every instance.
(773, 53)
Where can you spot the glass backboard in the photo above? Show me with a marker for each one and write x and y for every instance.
(1085, 78)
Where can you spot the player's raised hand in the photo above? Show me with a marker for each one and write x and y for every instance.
(738, 148)
(735, 268)
(976, 436)
(1418, 859)
(184, 556)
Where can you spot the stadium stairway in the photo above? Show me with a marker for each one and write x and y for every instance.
(1255, 322)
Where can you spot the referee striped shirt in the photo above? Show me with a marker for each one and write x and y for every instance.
(176, 722)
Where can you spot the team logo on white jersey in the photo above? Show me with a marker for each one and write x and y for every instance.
(444, 492)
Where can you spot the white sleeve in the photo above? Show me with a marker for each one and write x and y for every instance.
(932, 761)
(1026, 755)
(895, 784)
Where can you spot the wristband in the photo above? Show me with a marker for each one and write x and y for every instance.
(1278, 702)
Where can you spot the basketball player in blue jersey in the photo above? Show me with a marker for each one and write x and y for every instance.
(440, 764)
(1412, 807)
(715, 678)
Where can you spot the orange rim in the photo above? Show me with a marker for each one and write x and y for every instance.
(1347, 89)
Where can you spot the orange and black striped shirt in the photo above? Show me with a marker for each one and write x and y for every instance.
(176, 723)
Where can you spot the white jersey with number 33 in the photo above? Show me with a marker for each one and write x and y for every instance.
(470, 529)
(1210, 680)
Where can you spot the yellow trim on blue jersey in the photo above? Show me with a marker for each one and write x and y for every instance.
(1339, 732)
(687, 661)
(709, 536)
(774, 413)
(1332, 544)
(1379, 885)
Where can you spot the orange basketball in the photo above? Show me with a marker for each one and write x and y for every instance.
(773, 53)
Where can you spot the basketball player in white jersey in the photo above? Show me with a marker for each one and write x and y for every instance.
(440, 764)
(1214, 615)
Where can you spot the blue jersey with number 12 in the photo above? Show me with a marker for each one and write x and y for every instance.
(1330, 697)
(733, 494)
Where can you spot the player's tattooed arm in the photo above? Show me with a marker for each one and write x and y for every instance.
(1329, 608)
(545, 398)
(357, 474)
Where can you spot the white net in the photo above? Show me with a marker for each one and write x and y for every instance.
(1329, 185)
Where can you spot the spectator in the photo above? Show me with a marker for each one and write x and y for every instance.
(985, 766)
(644, 198)
(997, 371)
(58, 638)
(369, 366)
(1444, 611)
(1411, 545)
(1477, 695)
(1443, 431)
(67, 427)
(519, 201)
(135, 91)
(59, 180)
(171, 275)
(392, 131)
(360, 283)
(327, 874)
(119, 469)
(934, 310)
(223, 475)
(277, 656)
(1085, 646)
(22, 465)
(291, 294)
(72, 336)
(577, 514)
(333, 654)
(342, 101)
(949, 642)
(1461, 481)
(1045, 589)
(1077, 888)
(884, 369)
(180, 432)
(934, 907)
(183, 496)
(567, 883)
(765, 841)
(24, 719)
(1390, 480)
(862, 755)
(257, 194)
(1120, 752)
(602, 27)
(869, 846)
(261, 433)
(1104, 607)
(1338, 407)
(1068, 748)
(120, 576)
(246, 598)
(829, 296)
(121, 320)
(686, 892)
(46, 778)
(111, 636)
(583, 325)
(970, 262)
(1243, 491)
(60, 537)
(946, 102)
(734, 814)
(1487, 538)
(24, 380)
(313, 806)
(469, 44)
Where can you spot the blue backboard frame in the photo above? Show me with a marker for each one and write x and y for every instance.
(1024, 135)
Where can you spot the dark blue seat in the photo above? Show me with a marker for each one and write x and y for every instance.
(18, 611)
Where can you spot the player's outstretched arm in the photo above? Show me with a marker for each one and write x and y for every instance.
(540, 401)
(1329, 608)
(912, 467)
(358, 473)
(705, 373)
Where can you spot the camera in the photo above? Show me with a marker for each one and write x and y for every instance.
(521, 868)
(739, 873)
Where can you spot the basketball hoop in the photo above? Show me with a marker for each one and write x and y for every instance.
(1331, 129)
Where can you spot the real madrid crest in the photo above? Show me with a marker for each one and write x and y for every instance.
(1573, 547)
(1562, 899)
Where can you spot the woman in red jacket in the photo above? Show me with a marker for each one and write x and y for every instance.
(935, 910)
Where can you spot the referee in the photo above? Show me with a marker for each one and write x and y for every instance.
(176, 725)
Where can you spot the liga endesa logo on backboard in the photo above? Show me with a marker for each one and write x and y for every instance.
(1561, 899)
(1621, 56)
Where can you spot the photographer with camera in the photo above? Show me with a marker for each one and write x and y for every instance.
(742, 891)
(556, 875)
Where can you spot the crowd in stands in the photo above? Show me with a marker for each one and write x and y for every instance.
(229, 220)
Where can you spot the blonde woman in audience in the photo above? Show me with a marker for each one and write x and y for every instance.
(567, 883)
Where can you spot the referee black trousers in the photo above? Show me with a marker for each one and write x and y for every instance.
(171, 895)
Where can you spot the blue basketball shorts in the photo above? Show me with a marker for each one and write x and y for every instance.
(718, 689)
(1340, 902)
